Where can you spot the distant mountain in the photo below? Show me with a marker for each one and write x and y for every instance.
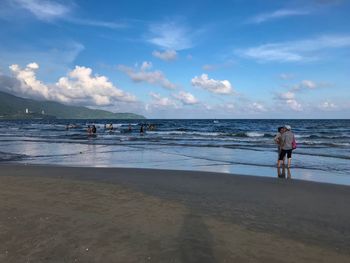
(12, 107)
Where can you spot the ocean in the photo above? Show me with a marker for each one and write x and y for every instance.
(229, 146)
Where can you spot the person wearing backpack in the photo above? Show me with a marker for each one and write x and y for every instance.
(288, 144)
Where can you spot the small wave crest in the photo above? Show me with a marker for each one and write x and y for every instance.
(177, 132)
(8, 157)
(252, 134)
(322, 143)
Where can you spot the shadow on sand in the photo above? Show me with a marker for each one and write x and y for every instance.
(196, 242)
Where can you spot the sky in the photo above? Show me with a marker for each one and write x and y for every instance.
(181, 59)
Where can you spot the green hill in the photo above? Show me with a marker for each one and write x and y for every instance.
(12, 107)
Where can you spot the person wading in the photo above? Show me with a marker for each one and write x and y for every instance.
(288, 144)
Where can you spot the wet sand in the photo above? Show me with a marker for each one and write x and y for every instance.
(62, 214)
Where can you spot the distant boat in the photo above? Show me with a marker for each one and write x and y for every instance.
(216, 121)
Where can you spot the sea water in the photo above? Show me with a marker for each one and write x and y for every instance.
(229, 146)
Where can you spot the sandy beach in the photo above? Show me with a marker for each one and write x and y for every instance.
(62, 214)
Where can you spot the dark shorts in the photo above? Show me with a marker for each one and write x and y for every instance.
(283, 154)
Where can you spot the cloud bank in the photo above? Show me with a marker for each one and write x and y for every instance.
(79, 87)
(295, 51)
(48, 10)
(278, 14)
(186, 98)
(288, 99)
(177, 100)
(212, 85)
(143, 74)
(166, 55)
(170, 36)
(159, 101)
(44, 10)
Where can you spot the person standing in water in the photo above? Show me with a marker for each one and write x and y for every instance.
(277, 140)
(287, 141)
(89, 130)
(141, 129)
(93, 129)
(281, 172)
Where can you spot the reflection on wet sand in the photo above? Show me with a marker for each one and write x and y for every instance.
(281, 172)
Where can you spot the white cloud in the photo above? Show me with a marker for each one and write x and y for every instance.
(48, 10)
(186, 98)
(78, 87)
(287, 95)
(143, 75)
(146, 65)
(43, 9)
(308, 85)
(212, 85)
(171, 36)
(294, 51)
(281, 13)
(272, 52)
(96, 23)
(294, 105)
(159, 101)
(257, 107)
(288, 99)
(33, 65)
(327, 105)
(29, 84)
(166, 55)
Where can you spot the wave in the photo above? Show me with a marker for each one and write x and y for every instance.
(332, 136)
(336, 156)
(323, 143)
(212, 134)
(177, 132)
(9, 157)
(252, 134)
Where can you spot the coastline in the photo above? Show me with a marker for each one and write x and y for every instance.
(229, 146)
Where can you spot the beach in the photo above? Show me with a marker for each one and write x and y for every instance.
(174, 131)
(67, 214)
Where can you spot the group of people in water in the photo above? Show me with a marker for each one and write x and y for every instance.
(92, 129)
(285, 139)
(286, 143)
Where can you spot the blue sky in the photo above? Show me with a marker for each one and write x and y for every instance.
(181, 59)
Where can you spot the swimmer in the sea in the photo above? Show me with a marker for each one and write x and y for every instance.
(89, 130)
(93, 129)
(142, 129)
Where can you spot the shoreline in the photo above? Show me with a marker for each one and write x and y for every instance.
(151, 215)
(232, 146)
(293, 178)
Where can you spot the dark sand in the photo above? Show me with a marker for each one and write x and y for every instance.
(58, 214)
